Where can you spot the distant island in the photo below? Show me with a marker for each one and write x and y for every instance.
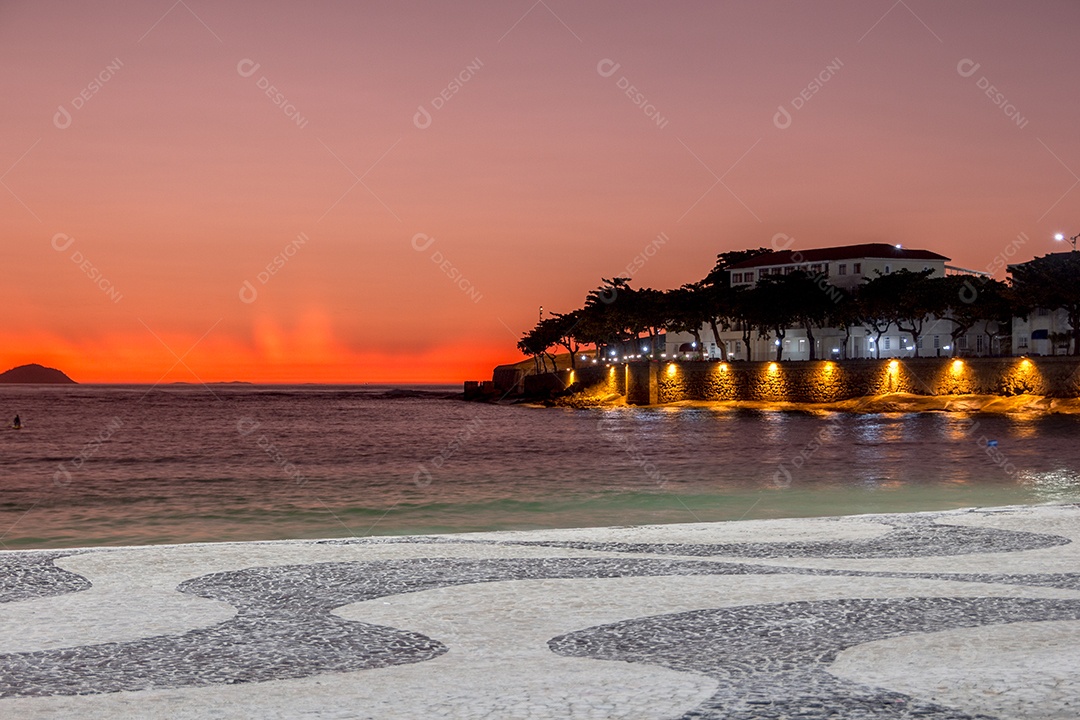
(36, 374)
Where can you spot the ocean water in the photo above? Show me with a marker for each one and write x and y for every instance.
(120, 465)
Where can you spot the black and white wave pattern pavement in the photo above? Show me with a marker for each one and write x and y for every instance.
(966, 614)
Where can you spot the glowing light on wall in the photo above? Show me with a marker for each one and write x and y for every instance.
(829, 367)
(893, 374)
(957, 367)
(723, 367)
(773, 368)
(672, 369)
(1024, 377)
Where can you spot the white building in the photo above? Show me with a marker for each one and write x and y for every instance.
(844, 267)
(1043, 332)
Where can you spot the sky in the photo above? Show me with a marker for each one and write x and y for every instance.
(355, 192)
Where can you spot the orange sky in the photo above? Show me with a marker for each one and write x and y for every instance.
(147, 176)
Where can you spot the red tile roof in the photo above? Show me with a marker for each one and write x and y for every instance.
(846, 252)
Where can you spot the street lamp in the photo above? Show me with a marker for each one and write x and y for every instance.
(1061, 236)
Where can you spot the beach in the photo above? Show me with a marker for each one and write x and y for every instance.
(963, 613)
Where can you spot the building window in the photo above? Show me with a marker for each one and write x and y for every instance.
(937, 342)
(841, 269)
(736, 278)
(1022, 341)
(978, 343)
(888, 269)
(886, 345)
(856, 268)
(919, 343)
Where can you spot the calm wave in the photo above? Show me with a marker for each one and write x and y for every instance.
(129, 465)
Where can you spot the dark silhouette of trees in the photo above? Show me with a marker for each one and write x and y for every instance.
(648, 313)
(536, 343)
(687, 310)
(1051, 282)
(903, 298)
(722, 301)
(780, 302)
(812, 301)
(845, 313)
(776, 307)
(603, 321)
(744, 309)
(967, 301)
(876, 304)
(563, 328)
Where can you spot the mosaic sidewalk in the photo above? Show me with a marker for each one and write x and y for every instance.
(965, 614)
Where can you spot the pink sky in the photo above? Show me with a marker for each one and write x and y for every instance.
(178, 178)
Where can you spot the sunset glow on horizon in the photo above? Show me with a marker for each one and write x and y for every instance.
(369, 192)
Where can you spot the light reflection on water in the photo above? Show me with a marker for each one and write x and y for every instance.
(179, 470)
(1051, 486)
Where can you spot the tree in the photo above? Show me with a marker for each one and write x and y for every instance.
(603, 321)
(563, 327)
(846, 313)
(959, 295)
(916, 302)
(536, 343)
(776, 307)
(721, 300)
(902, 298)
(687, 311)
(1058, 339)
(745, 317)
(811, 303)
(966, 301)
(1051, 282)
(647, 313)
(796, 299)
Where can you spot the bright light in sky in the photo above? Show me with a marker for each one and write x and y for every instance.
(364, 192)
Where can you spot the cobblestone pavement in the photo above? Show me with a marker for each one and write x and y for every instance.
(963, 614)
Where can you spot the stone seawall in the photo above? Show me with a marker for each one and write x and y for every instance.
(648, 383)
